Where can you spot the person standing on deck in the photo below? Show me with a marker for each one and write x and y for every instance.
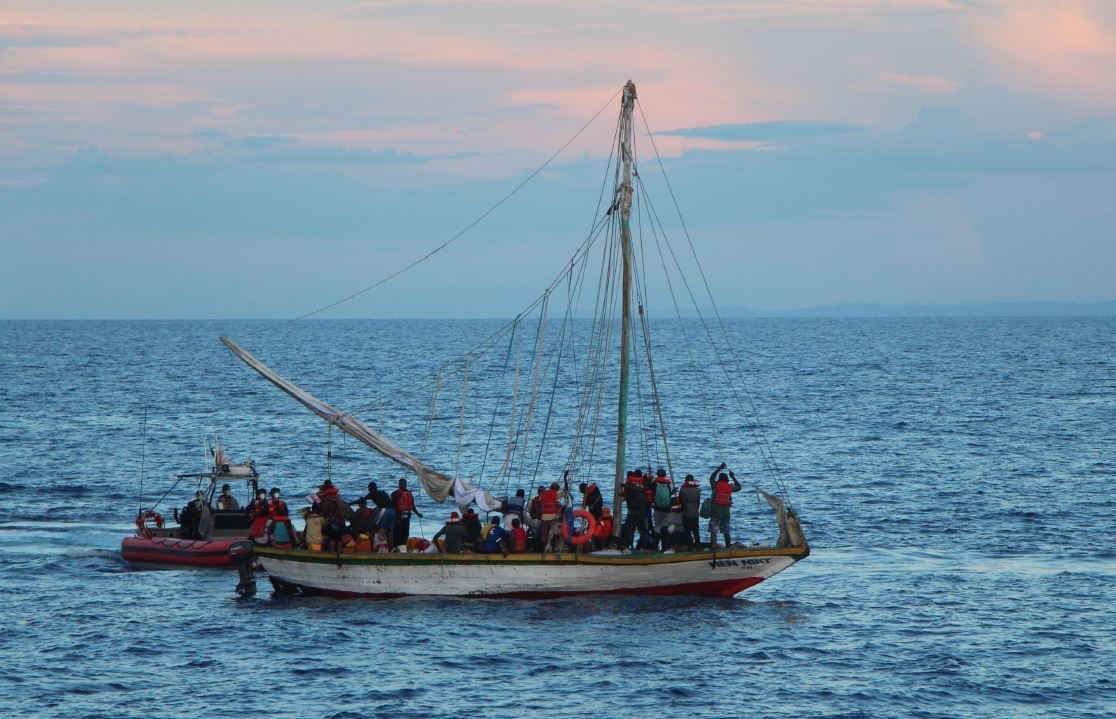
(550, 512)
(378, 497)
(720, 509)
(662, 498)
(403, 501)
(592, 500)
(336, 514)
(635, 496)
(690, 498)
(197, 521)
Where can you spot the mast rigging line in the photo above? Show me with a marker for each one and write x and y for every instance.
(482, 348)
(776, 472)
(460, 232)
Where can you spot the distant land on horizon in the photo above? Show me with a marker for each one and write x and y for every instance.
(850, 310)
(992, 309)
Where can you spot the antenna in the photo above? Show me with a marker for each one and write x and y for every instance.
(143, 456)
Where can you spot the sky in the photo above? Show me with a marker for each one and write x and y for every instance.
(196, 160)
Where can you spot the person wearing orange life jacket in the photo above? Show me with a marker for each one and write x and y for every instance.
(403, 502)
(720, 509)
(602, 535)
(280, 530)
(259, 509)
(518, 537)
(551, 502)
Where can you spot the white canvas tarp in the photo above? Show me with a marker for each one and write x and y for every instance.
(437, 485)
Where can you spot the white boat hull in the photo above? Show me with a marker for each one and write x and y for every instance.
(724, 574)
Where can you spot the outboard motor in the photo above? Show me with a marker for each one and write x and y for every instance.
(242, 555)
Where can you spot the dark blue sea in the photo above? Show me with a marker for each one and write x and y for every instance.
(956, 478)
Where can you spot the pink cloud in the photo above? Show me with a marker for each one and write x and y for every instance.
(899, 81)
(866, 11)
(1065, 49)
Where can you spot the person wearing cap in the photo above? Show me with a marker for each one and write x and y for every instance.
(226, 501)
(689, 496)
(455, 535)
(720, 509)
(258, 505)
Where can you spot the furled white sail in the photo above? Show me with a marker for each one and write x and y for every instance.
(437, 485)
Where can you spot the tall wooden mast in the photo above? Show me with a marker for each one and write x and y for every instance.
(627, 105)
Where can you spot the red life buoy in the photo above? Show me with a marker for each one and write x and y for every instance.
(582, 537)
(141, 522)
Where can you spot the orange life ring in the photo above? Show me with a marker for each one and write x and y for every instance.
(141, 521)
(590, 526)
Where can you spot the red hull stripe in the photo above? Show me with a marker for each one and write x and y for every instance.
(723, 588)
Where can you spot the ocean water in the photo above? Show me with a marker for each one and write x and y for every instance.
(956, 478)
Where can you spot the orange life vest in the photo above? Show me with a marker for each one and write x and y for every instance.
(519, 540)
(604, 528)
(548, 502)
(259, 527)
(405, 501)
(722, 493)
(279, 511)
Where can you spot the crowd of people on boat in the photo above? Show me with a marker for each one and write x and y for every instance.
(659, 516)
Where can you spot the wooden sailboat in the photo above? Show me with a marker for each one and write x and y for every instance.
(719, 572)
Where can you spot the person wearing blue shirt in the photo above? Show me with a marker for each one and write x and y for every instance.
(496, 540)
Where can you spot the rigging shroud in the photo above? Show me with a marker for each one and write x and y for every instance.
(438, 486)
